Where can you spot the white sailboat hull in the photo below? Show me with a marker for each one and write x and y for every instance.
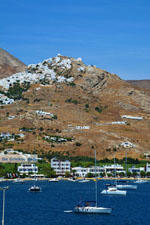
(115, 192)
(126, 187)
(94, 209)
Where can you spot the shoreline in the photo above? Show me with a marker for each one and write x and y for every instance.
(68, 179)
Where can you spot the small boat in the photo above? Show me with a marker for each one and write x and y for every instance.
(112, 190)
(34, 188)
(84, 181)
(71, 179)
(140, 181)
(18, 181)
(53, 180)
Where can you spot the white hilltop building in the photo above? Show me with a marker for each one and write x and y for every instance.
(43, 114)
(44, 73)
(84, 127)
(35, 73)
(127, 144)
(60, 166)
(132, 117)
(4, 100)
(10, 137)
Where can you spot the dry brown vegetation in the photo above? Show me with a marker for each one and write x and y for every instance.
(97, 99)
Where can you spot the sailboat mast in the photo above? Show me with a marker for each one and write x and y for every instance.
(126, 163)
(115, 170)
(95, 182)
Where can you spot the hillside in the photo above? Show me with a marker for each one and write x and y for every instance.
(9, 64)
(62, 105)
(145, 84)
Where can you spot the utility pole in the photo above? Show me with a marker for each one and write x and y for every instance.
(3, 212)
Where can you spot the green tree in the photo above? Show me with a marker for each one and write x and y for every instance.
(67, 174)
(89, 175)
(142, 173)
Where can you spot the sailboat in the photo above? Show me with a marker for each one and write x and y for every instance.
(123, 185)
(92, 206)
(139, 180)
(112, 189)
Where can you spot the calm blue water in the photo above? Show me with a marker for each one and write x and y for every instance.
(47, 207)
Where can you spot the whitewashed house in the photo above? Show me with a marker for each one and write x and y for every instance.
(127, 144)
(27, 168)
(80, 171)
(114, 168)
(83, 172)
(147, 168)
(134, 169)
(132, 117)
(60, 167)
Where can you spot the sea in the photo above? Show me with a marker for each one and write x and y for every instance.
(53, 205)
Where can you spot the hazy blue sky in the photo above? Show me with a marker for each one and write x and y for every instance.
(111, 34)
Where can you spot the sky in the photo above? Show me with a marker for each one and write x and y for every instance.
(111, 34)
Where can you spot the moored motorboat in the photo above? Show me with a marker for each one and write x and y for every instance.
(34, 188)
(71, 179)
(53, 180)
(113, 191)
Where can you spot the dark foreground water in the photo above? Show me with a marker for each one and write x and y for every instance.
(48, 206)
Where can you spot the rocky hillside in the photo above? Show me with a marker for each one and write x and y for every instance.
(145, 84)
(62, 105)
(9, 64)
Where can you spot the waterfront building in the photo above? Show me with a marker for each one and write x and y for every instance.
(60, 166)
(27, 168)
(147, 168)
(113, 168)
(12, 156)
(108, 169)
(138, 170)
(80, 171)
